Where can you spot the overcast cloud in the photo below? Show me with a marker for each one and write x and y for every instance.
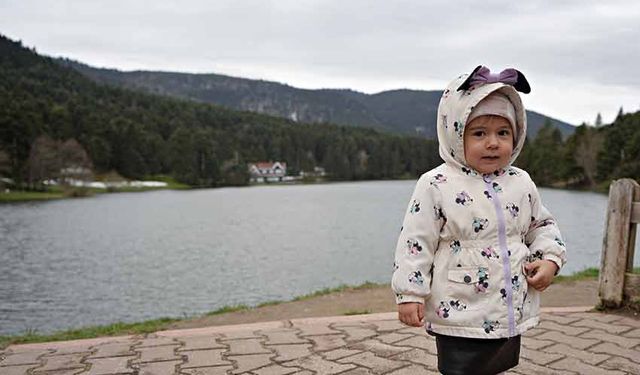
(581, 57)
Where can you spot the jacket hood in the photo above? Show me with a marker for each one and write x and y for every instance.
(454, 110)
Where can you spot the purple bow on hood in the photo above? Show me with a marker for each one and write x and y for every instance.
(482, 75)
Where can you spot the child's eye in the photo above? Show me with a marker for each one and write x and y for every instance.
(504, 132)
(477, 133)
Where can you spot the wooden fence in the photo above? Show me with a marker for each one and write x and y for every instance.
(617, 282)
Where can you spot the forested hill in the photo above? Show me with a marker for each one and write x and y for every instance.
(401, 111)
(139, 134)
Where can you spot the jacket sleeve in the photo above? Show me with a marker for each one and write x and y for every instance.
(543, 237)
(417, 244)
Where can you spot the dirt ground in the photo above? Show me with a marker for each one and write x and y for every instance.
(374, 300)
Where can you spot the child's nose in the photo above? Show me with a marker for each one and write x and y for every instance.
(492, 140)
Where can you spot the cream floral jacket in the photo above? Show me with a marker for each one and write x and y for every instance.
(466, 236)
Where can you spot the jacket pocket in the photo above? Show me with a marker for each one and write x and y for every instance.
(468, 287)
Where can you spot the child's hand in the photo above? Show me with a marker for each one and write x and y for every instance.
(411, 314)
(540, 273)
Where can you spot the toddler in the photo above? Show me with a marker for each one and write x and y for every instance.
(477, 246)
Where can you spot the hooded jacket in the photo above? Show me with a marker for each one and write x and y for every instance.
(466, 236)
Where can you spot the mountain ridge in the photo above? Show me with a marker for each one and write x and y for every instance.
(402, 111)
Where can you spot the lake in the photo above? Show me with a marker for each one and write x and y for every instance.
(136, 256)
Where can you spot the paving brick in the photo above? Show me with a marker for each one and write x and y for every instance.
(290, 352)
(574, 364)
(236, 335)
(608, 327)
(304, 372)
(420, 342)
(275, 370)
(534, 344)
(620, 340)
(576, 342)
(377, 364)
(115, 365)
(283, 336)
(249, 362)
(16, 370)
(566, 329)
(62, 372)
(387, 325)
(378, 348)
(419, 356)
(583, 355)
(538, 356)
(327, 342)
(528, 368)
(534, 332)
(80, 349)
(204, 358)
(154, 341)
(319, 365)
(246, 346)
(414, 370)
(608, 348)
(315, 329)
(633, 333)
(604, 318)
(112, 350)
(560, 318)
(633, 323)
(158, 368)
(339, 353)
(358, 371)
(23, 358)
(157, 353)
(413, 330)
(199, 342)
(392, 337)
(356, 333)
(220, 370)
(619, 363)
(61, 362)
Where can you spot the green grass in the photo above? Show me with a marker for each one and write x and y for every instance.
(357, 312)
(56, 192)
(228, 309)
(116, 329)
(589, 273)
(340, 288)
(586, 274)
(22, 196)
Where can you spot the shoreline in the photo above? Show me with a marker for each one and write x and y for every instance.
(19, 196)
(365, 298)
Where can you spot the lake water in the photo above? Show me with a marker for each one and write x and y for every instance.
(136, 256)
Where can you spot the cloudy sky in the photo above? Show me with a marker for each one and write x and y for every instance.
(581, 57)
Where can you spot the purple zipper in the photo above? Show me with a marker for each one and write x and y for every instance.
(506, 264)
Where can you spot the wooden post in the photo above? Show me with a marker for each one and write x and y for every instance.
(616, 247)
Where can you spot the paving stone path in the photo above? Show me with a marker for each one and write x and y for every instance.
(568, 341)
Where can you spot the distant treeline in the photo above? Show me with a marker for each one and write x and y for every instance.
(140, 135)
(52, 118)
(590, 158)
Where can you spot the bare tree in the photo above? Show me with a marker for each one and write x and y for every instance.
(586, 156)
(5, 167)
(44, 162)
(63, 162)
(75, 162)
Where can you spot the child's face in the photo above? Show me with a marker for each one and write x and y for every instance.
(488, 143)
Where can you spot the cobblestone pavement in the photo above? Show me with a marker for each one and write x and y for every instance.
(568, 341)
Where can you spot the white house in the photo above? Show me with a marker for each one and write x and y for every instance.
(268, 171)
